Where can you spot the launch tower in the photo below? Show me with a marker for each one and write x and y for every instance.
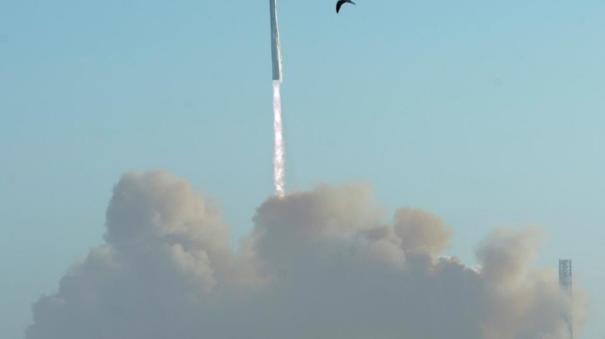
(565, 282)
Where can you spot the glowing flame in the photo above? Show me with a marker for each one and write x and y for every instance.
(279, 150)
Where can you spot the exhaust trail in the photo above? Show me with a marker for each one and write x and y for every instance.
(279, 149)
(276, 60)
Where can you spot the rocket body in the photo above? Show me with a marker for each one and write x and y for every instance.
(276, 56)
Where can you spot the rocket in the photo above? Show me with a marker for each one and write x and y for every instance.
(278, 150)
(276, 57)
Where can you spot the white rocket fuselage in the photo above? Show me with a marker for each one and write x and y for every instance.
(275, 47)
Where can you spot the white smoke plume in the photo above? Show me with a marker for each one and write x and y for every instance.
(323, 264)
(279, 148)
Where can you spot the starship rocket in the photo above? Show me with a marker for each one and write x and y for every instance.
(275, 48)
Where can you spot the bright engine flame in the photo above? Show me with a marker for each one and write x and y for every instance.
(279, 150)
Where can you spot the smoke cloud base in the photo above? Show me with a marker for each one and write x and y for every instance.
(319, 264)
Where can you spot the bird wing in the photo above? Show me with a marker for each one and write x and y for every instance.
(342, 2)
(338, 5)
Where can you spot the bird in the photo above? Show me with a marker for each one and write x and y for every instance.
(342, 2)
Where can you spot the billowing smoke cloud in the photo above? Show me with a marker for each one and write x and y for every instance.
(319, 264)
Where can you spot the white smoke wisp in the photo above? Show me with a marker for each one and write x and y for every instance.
(279, 148)
(321, 264)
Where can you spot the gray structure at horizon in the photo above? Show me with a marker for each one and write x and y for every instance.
(565, 281)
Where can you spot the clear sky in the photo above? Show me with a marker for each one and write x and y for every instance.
(488, 114)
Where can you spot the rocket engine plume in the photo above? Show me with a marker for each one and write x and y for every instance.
(278, 155)
(276, 59)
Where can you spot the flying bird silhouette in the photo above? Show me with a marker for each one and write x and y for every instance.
(342, 2)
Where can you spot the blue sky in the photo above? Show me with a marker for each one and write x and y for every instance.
(489, 114)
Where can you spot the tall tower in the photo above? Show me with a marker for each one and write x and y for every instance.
(565, 282)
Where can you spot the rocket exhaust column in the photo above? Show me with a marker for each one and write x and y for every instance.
(278, 150)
